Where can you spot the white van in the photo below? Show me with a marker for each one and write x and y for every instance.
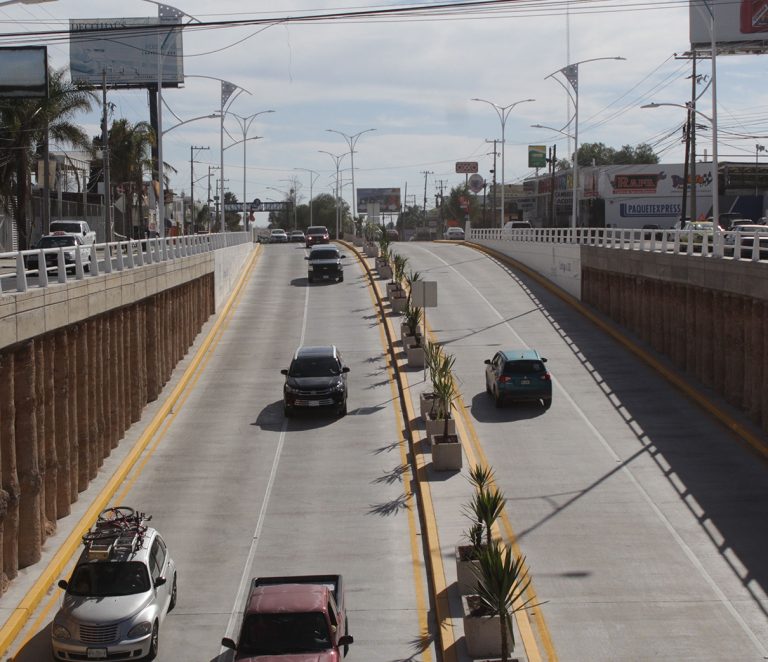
(518, 225)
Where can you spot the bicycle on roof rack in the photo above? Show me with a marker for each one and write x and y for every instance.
(119, 528)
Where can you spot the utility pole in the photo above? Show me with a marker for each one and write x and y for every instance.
(192, 149)
(426, 174)
(553, 166)
(694, 211)
(493, 172)
(440, 183)
(105, 161)
(210, 200)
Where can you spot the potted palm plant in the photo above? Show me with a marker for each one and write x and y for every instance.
(502, 581)
(382, 261)
(446, 447)
(411, 327)
(396, 293)
(432, 359)
(439, 418)
(483, 510)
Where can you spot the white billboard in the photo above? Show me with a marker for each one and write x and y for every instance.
(24, 72)
(745, 21)
(126, 50)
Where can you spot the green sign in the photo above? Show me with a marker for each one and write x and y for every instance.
(537, 156)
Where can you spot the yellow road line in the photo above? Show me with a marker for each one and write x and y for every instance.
(24, 611)
(695, 394)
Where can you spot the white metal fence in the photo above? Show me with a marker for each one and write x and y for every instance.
(91, 261)
(728, 245)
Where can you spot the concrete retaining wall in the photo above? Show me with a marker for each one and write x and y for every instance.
(560, 263)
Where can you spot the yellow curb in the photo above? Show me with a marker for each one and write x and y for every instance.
(21, 614)
(692, 392)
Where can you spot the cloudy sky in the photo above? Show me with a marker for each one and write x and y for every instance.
(412, 79)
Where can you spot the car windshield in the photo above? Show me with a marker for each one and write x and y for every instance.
(102, 579)
(66, 227)
(324, 255)
(523, 367)
(278, 231)
(314, 366)
(317, 230)
(272, 634)
(55, 242)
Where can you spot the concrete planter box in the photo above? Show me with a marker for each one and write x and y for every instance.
(405, 331)
(436, 426)
(371, 250)
(358, 241)
(482, 634)
(413, 341)
(415, 355)
(398, 301)
(392, 288)
(466, 580)
(446, 455)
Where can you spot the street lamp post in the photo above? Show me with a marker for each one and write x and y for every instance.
(715, 168)
(571, 74)
(758, 149)
(245, 124)
(351, 141)
(337, 160)
(503, 113)
(312, 180)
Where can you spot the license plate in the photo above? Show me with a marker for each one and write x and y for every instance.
(97, 653)
(325, 276)
(313, 403)
(525, 382)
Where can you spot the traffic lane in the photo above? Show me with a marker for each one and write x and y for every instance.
(340, 502)
(609, 439)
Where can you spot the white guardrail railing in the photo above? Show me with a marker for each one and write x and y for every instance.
(19, 270)
(730, 245)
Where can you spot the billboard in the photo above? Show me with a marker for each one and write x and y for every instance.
(735, 22)
(537, 156)
(388, 199)
(24, 72)
(126, 49)
(466, 167)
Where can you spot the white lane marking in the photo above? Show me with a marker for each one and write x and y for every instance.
(245, 578)
(625, 469)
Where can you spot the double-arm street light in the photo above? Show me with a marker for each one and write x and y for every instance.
(503, 113)
(715, 167)
(351, 141)
(245, 124)
(337, 161)
(571, 75)
(312, 179)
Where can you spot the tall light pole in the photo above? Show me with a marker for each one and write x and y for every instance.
(351, 141)
(245, 124)
(192, 149)
(715, 169)
(312, 179)
(163, 12)
(337, 160)
(571, 75)
(503, 113)
(758, 149)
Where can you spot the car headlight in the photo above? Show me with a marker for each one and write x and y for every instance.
(60, 632)
(338, 385)
(310, 268)
(140, 630)
(290, 389)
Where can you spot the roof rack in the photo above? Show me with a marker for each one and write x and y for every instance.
(117, 530)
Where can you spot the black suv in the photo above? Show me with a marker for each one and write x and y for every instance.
(317, 378)
(325, 264)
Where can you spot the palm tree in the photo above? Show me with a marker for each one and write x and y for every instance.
(24, 126)
(130, 158)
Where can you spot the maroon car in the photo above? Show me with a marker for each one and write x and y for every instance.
(316, 234)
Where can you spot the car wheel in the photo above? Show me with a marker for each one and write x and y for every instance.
(497, 400)
(346, 631)
(154, 644)
(174, 594)
(547, 403)
(343, 409)
(341, 278)
(487, 386)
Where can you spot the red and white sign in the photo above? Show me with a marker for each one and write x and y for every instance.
(466, 167)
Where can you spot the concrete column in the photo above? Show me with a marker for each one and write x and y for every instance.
(30, 482)
(134, 358)
(10, 490)
(115, 399)
(83, 398)
(51, 457)
(152, 352)
(40, 414)
(92, 358)
(98, 372)
(61, 422)
(718, 314)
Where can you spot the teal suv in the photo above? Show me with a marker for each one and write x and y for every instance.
(518, 374)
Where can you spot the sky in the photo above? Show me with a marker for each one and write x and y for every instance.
(412, 79)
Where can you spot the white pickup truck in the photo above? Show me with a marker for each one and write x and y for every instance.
(78, 228)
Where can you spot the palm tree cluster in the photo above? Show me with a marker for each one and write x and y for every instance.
(26, 125)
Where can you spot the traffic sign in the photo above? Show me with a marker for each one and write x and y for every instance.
(466, 167)
(476, 183)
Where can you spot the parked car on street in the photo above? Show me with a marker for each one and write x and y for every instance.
(317, 377)
(71, 244)
(278, 236)
(694, 232)
(325, 264)
(454, 233)
(518, 374)
(297, 235)
(122, 588)
(741, 238)
(79, 228)
(316, 234)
